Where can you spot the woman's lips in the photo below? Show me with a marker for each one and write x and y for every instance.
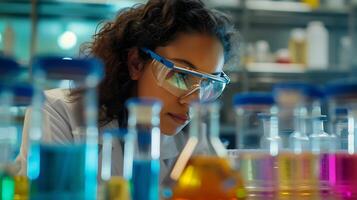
(179, 118)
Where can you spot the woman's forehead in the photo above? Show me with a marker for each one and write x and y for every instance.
(198, 51)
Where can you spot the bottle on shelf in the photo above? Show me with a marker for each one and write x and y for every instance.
(314, 4)
(345, 53)
(317, 46)
(297, 46)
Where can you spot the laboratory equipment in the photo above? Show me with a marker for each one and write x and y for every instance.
(114, 187)
(295, 162)
(144, 131)
(64, 168)
(256, 120)
(202, 170)
(342, 95)
(12, 97)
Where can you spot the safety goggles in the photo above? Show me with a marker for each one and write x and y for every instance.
(182, 81)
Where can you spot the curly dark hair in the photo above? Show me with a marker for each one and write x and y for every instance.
(154, 24)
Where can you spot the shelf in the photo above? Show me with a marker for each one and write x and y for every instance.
(269, 13)
(64, 9)
(270, 73)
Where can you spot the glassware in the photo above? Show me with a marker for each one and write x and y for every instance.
(248, 125)
(342, 95)
(13, 100)
(258, 142)
(296, 163)
(64, 170)
(292, 99)
(114, 187)
(202, 170)
(12, 97)
(144, 131)
(323, 145)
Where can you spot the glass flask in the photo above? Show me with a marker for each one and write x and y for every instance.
(64, 170)
(114, 187)
(342, 95)
(143, 157)
(202, 170)
(258, 142)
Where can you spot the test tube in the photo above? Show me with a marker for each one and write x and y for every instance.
(144, 127)
(114, 186)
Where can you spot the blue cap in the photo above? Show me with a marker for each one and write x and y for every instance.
(341, 87)
(22, 94)
(306, 89)
(8, 67)
(253, 98)
(23, 89)
(341, 111)
(68, 68)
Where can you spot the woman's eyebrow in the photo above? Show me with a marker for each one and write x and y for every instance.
(183, 61)
(189, 64)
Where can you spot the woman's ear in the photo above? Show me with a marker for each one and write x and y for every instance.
(135, 64)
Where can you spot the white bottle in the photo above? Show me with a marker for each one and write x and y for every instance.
(317, 46)
(263, 51)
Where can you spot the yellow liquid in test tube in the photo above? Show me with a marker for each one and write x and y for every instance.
(209, 178)
(21, 188)
(297, 174)
(117, 188)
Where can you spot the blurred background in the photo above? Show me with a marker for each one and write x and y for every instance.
(279, 40)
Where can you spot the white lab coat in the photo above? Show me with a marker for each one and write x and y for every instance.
(61, 119)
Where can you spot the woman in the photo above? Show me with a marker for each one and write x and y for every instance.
(139, 50)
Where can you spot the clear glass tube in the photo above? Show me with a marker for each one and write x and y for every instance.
(323, 146)
(298, 140)
(144, 127)
(75, 163)
(114, 187)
